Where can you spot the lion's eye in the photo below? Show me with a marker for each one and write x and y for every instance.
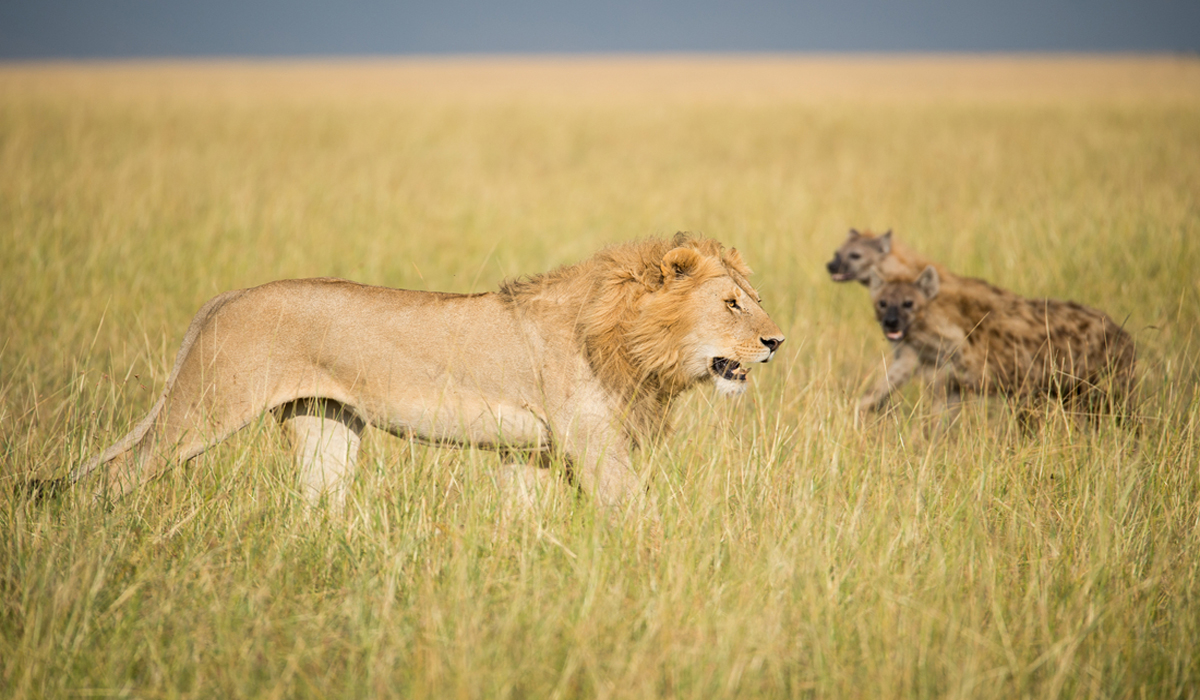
(732, 303)
(908, 303)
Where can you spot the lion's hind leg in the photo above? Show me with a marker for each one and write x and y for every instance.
(171, 431)
(325, 438)
(125, 463)
(170, 435)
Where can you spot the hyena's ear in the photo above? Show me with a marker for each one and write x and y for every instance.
(885, 242)
(874, 281)
(854, 234)
(928, 282)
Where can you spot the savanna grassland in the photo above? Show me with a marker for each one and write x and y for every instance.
(799, 551)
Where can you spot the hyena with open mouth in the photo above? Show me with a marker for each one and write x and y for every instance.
(978, 338)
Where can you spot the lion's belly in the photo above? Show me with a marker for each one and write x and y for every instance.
(463, 419)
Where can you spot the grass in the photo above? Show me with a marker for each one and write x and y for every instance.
(800, 552)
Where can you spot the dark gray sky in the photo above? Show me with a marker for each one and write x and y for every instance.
(163, 28)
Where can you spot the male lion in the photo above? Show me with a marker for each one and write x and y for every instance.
(982, 339)
(583, 361)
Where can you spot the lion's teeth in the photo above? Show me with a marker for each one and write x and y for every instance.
(729, 369)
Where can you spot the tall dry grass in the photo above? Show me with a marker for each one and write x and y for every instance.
(799, 553)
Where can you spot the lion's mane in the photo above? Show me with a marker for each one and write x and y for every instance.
(631, 337)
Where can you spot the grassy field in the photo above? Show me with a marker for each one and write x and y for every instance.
(800, 552)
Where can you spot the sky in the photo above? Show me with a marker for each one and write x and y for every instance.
(82, 29)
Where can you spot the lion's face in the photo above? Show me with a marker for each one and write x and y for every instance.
(713, 314)
(899, 304)
(730, 333)
(855, 259)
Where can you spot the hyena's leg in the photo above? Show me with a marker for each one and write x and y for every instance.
(947, 396)
(899, 370)
(325, 437)
(1030, 413)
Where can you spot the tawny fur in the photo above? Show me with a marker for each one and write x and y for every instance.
(978, 338)
(584, 361)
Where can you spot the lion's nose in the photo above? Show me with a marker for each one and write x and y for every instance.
(772, 343)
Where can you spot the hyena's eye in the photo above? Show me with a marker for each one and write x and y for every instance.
(882, 304)
(908, 303)
(854, 256)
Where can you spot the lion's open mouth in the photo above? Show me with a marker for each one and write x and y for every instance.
(729, 369)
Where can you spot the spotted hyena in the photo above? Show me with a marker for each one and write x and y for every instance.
(863, 252)
(978, 338)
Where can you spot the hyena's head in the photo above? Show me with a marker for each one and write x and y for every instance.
(899, 304)
(858, 256)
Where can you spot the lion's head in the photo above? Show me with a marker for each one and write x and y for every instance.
(666, 315)
(700, 320)
(860, 254)
(659, 316)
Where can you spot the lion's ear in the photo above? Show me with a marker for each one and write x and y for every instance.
(679, 263)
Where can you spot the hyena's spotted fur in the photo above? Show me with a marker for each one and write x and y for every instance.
(977, 338)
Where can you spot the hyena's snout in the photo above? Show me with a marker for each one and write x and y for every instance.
(892, 321)
(834, 266)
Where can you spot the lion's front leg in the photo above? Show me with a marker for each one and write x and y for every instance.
(899, 369)
(604, 467)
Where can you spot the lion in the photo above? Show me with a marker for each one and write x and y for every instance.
(582, 362)
(979, 338)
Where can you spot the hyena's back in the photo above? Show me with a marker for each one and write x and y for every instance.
(1049, 346)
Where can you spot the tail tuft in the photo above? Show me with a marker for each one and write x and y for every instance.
(39, 490)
